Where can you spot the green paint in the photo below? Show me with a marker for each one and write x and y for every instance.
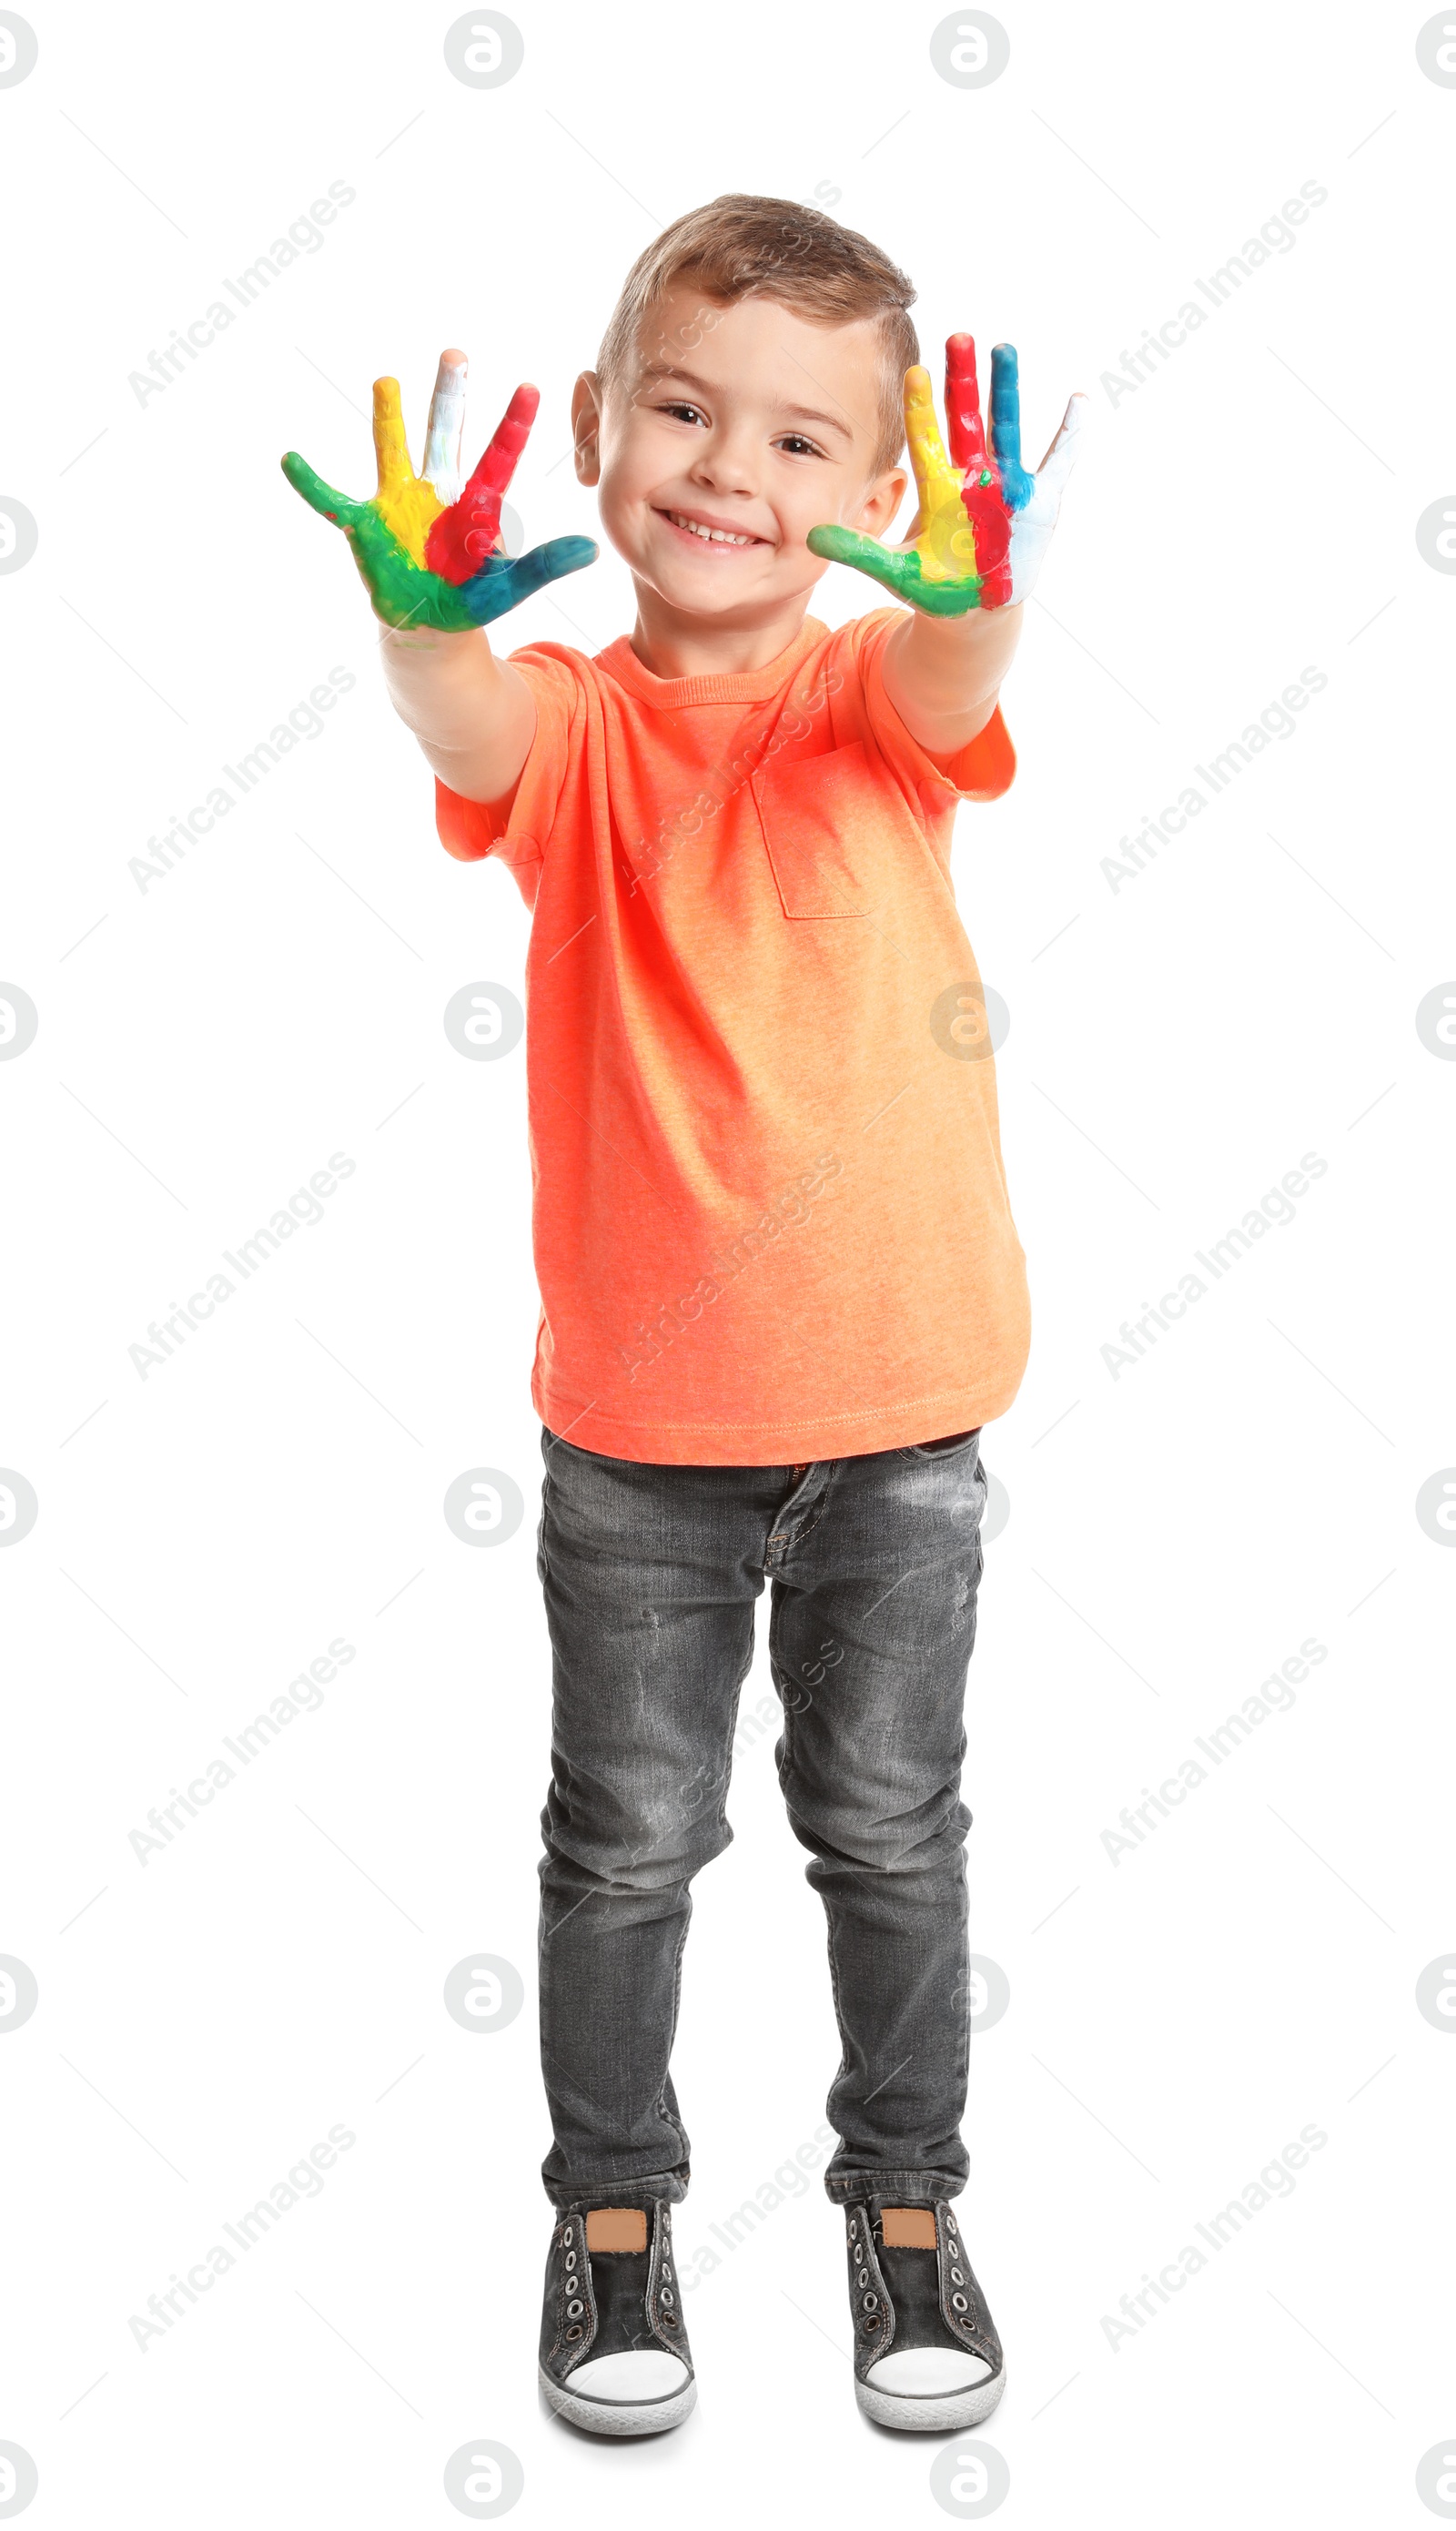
(404, 592)
(399, 589)
(900, 573)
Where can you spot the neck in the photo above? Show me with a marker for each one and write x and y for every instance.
(671, 644)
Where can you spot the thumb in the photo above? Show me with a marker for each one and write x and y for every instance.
(501, 585)
(851, 546)
(552, 561)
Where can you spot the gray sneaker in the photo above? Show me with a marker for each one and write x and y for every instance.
(614, 2353)
(927, 2356)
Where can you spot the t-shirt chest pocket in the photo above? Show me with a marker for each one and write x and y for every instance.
(833, 833)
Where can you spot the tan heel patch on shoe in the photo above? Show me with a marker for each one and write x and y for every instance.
(902, 2228)
(617, 2227)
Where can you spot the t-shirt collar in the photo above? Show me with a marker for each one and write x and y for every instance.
(670, 694)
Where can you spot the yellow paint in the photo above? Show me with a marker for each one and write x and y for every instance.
(405, 502)
(942, 536)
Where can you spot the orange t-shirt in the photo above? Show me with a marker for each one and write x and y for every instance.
(770, 1218)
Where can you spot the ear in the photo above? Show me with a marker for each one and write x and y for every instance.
(586, 422)
(881, 502)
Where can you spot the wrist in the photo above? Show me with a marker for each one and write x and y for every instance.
(971, 631)
(410, 640)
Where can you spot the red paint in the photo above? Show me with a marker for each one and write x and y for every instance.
(983, 503)
(965, 429)
(465, 536)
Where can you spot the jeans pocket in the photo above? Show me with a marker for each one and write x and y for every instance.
(947, 1448)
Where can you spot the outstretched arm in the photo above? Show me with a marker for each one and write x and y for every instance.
(943, 673)
(974, 549)
(431, 559)
(471, 714)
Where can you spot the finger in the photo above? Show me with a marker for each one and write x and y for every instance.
(391, 450)
(1061, 456)
(502, 583)
(445, 427)
(927, 454)
(963, 417)
(463, 539)
(900, 573)
(492, 476)
(320, 497)
(859, 552)
(1016, 483)
(553, 560)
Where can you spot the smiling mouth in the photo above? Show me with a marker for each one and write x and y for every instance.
(701, 534)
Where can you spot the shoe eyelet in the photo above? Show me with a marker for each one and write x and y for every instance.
(574, 2332)
(669, 2320)
(667, 2295)
(667, 2267)
(567, 2236)
(570, 2261)
(854, 2227)
(872, 2320)
(956, 2277)
(872, 2302)
(573, 2309)
(862, 2279)
(959, 2303)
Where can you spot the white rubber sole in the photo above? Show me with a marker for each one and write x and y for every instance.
(620, 2416)
(935, 2415)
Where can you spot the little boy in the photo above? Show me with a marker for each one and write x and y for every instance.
(781, 1287)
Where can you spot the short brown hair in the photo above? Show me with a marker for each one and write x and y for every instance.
(752, 246)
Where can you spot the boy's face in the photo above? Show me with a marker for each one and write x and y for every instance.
(747, 419)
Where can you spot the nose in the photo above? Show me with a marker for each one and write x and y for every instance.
(726, 464)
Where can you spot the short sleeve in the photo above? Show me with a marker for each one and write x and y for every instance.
(515, 827)
(983, 770)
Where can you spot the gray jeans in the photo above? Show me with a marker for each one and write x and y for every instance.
(651, 1574)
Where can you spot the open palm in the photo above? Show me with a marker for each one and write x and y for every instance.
(983, 524)
(428, 553)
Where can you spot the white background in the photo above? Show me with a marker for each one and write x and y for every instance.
(1174, 1533)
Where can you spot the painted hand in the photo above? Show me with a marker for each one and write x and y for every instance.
(428, 553)
(983, 523)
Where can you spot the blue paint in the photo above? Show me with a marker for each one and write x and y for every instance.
(1017, 485)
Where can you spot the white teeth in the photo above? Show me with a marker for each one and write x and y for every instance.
(712, 536)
